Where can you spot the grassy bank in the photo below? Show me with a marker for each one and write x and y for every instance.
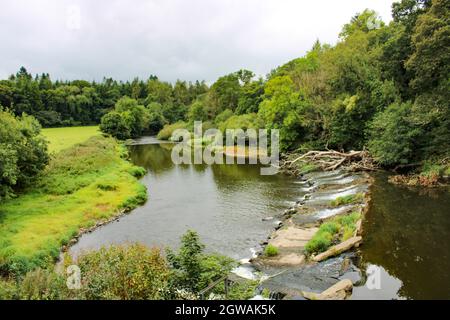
(83, 184)
(63, 138)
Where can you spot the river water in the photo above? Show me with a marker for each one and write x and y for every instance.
(225, 204)
(406, 231)
(407, 235)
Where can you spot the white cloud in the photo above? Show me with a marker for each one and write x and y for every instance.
(196, 39)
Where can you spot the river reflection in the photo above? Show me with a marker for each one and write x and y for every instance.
(407, 233)
(225, 204)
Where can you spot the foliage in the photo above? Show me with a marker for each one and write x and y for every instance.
(167, 131)
(126, 273)
(284, 109)
(23, 152)
(128, 120)
(197, 112)
(350, 199)
(192, 270)
(244, 122)
(270, 250)
(79, 102)
(394, 136)
(84, 184)
(336, 230)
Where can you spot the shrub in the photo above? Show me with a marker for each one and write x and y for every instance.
(23, 152)
(193, 270)
(42, 285)
(271, 250)
(349, 199)
(166, 132)
(137, 172)
(338, 229)
(136, 200)
(124, 272)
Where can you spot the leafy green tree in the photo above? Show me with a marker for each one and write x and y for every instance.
(430, 60)
(224, 94)
(284, 109)
(251, 96)
(394, 136)
(197, 112)
(364, 21)
(23, 152)
(156, 119)
(113, 123)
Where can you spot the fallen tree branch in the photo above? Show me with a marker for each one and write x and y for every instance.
(331, 160)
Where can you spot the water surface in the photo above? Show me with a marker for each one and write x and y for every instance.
(407, 234)
(225, 204)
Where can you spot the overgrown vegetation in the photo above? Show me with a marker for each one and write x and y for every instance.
(23, 152)
(349, 199)
(134, 272)
(383, 87)
(270, 250)
(81, 185)
(332, 232)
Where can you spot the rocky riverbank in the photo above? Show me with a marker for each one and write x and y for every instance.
(295, 269)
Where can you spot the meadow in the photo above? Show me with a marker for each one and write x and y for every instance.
(83, 184)
(63, 138)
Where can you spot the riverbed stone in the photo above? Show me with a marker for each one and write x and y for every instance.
(309, 278)
(293, 237)
(339, 291)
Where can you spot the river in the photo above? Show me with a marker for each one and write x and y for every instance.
(225, 204)
(406, 231)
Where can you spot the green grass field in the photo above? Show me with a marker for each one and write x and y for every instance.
(82, 185)
(63, 138)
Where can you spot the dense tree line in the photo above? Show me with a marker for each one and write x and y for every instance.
(381, 87)
(79, 102)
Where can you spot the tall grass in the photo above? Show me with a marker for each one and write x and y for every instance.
(336, 230)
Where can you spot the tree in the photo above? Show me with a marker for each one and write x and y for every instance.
(366, 21)
(430, 59)
(156, 120)
(251, 96)
(113, 123)
(197, 112)
(284, 109)
(224, 94)
(394, 136)
(23, 152)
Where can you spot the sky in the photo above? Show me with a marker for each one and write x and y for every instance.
(173, 39)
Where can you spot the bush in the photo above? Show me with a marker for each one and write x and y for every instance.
(23, 152)
(271, 250)
(120, 272)
(137, 172)
(192, 270)
(114, 124)
(338, 229)
(350, 199)
(166, 132)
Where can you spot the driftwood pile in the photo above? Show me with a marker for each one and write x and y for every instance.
(331, 160)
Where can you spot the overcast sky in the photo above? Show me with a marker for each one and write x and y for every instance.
(173, 39)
